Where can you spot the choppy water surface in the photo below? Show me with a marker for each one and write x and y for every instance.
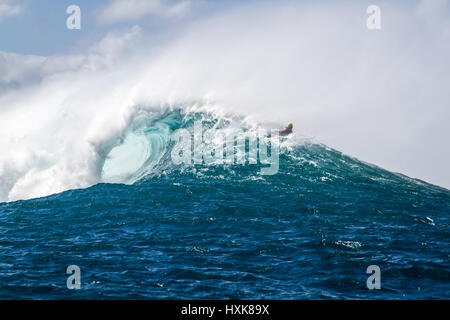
(200, 232)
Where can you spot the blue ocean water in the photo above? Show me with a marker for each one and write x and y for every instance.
(227, 232)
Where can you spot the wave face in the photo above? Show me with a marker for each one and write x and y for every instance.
(159, 230)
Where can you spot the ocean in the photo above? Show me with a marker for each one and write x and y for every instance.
(155, 230)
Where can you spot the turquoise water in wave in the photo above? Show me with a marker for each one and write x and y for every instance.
(222, 232)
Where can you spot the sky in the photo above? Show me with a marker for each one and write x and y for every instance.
(39, 27)
(379, 95)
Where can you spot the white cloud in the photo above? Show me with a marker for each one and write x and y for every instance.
(9, 8)
(18, 69)
(131, 10)
(21, 70)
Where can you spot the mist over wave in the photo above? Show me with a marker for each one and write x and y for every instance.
(378, 96)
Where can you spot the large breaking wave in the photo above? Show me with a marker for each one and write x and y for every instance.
(106, 114)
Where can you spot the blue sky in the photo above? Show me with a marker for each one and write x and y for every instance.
(40, 27)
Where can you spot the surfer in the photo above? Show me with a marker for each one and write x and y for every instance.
(286, 131)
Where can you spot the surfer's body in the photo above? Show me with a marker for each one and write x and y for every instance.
(286, 131)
